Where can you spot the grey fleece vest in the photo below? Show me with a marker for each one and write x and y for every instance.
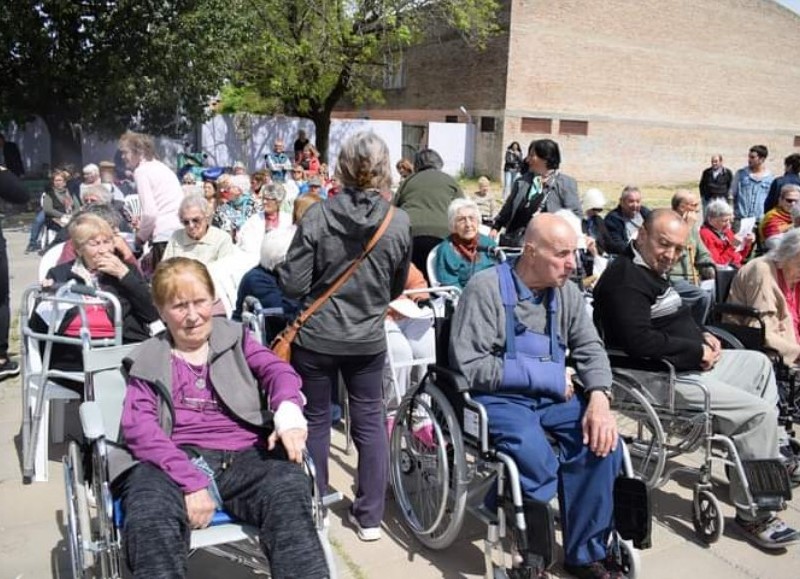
(232, 378)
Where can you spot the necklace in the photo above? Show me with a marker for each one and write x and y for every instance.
(199, 378)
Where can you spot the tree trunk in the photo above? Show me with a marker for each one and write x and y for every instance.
(65, 142)
(322, 126)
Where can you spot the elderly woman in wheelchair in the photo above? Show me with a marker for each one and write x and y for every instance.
(215, 421)
(509, 337)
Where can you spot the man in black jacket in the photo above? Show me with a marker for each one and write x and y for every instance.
(641, 313)
(715, 182)
(624, 221)
(12, 190)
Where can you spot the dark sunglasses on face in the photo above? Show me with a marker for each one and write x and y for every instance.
(192, 221)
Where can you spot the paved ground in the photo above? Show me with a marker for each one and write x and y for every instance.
(32, 543)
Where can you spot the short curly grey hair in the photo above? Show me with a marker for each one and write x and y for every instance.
(787, 249)
(460, 204)
(718, 208)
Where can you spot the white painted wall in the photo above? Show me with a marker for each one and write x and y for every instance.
(453, 142)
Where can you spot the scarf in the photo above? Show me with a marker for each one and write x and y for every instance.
(466, 249)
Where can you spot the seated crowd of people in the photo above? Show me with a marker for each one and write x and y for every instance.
(517, 323)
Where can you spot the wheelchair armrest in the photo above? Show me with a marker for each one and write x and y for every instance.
(620, 359)
(738, 310)
(92, 420)
(450, 378)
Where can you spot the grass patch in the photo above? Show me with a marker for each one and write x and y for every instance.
(354, 569)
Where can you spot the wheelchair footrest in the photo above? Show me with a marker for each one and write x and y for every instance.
(539, 553)
(632, 518)
(768, 480)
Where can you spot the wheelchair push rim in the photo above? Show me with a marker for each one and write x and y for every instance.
(78, 519)
(428, 467)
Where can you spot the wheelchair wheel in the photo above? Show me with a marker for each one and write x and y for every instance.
(630, 563)
(78, 520)
(107, 535)
(640, 428)
(707, 517)
(428, 467)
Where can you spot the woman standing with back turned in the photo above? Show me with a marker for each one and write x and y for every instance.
(346, 334)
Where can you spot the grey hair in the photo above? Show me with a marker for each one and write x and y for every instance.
(427, 159)
(628, 189)
(457, 205)
(274, 190)
(275, 246)
(99, 190)
(788, 247)
(718, 208)
(364, 163)
(241, 182)
(789, 187)
(92, 169)
(193, 200)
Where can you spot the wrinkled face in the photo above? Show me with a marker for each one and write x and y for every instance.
(90, 198)
(662, 247)
(90, 178)
(277, 146)
(297, 174)
(688, 205)
(791, 270)
(466, 224)
(754, 162)
(233, 193)
(631, 204)
(789, 200)
(187, 314)
(721, 223)
(716, 162)
(129, 157)
(483, 189)
(271, 203)
(94, 250)
(59, 182)
(553, 259)
(195, 222)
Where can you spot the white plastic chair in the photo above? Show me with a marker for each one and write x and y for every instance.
(227, 274)
(49, 260)
(430, 267)
(133, 205)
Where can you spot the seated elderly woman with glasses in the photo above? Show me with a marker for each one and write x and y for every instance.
(235, 437)
(465, 252)
(726, 248)
(270, 217)
(198, 239)
(780, 218)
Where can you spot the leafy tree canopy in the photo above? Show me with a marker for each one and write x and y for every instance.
(309, 54)
(104, 66)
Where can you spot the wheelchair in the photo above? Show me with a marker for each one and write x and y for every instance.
(656, 431)
(93, 516)
(439, 476)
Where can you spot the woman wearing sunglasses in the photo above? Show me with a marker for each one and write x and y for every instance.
(198, 239)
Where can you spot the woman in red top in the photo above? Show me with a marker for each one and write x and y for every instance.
(726, 249)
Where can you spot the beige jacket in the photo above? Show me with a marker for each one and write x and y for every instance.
(756, 285)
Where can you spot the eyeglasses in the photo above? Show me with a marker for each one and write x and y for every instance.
(265, 198)
(192, 221)
(791, 201)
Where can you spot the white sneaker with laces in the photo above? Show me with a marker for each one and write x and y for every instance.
(364, 533)
(770, 533)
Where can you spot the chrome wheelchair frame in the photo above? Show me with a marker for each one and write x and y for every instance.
(437, 478)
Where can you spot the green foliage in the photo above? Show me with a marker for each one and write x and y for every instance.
(99, 64)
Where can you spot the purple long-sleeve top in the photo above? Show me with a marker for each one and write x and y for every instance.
(198, 418)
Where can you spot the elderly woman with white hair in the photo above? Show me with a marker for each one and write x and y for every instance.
(270, 217)
(198, 239)
(465, 251)
(726, 248)
(771, 284)
(261, 282)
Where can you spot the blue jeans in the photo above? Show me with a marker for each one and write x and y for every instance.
(36, 228)
(508, 179)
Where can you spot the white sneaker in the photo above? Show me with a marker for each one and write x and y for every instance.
(364, 533)
(770, 533)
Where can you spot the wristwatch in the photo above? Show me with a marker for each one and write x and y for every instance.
(606, 392)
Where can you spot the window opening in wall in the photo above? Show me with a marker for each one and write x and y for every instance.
(536, 125)
(566, 127)
(797, 140)
(487, 124)
(451, 118)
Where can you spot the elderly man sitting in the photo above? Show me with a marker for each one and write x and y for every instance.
(641, 313)
(527, 306)
(623, 222)
(198, 239)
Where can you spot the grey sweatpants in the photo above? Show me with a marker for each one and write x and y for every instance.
(744, 402)
(258, 487)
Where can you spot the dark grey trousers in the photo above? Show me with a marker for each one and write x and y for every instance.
(257, 487)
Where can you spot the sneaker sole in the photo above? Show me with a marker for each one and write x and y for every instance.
(753, 540)
(366, 537)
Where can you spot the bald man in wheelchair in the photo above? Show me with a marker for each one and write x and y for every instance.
(511, 332)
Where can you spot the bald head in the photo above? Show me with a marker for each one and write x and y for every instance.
(662, 239)
(684, 201)
(548, 257)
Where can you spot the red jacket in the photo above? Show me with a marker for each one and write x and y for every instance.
(722, 249)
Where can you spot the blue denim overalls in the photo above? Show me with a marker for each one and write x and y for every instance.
(530, 402)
